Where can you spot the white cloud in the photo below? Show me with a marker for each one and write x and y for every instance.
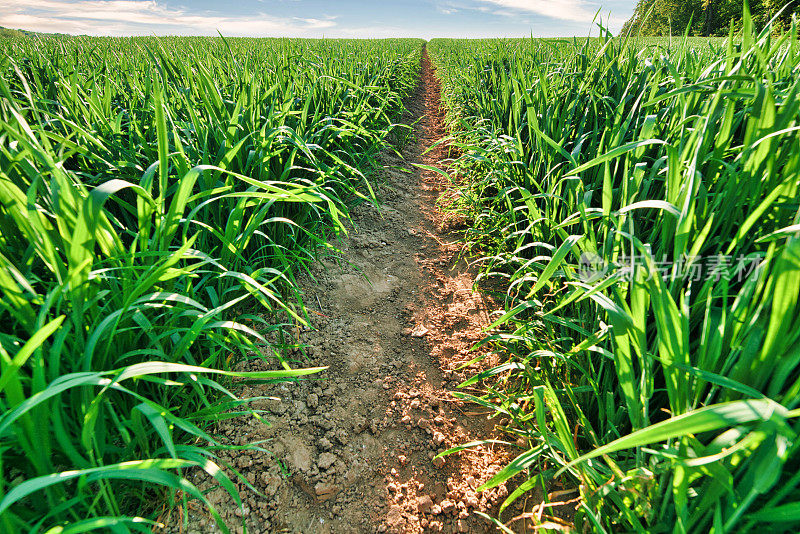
(567, 10)
(447, 7)
(131, 17)
(153, 17)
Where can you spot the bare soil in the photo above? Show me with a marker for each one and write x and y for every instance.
(394, 316)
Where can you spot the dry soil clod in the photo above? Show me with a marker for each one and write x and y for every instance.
(352, 450)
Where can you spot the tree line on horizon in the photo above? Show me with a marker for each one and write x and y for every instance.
(705, 17)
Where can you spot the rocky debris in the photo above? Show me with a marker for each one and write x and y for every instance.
(424, 504)
(419, 331)
(301, 458)
(326, 460)
(325, 490)
(394, 318)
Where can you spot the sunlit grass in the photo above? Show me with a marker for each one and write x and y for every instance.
(157, 197)
(670, 400)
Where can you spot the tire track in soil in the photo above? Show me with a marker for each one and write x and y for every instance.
(395, 316)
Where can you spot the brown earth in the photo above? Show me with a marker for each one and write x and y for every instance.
(394, 317)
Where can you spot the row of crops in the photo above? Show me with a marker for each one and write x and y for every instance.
(637, 203)
(157, 198)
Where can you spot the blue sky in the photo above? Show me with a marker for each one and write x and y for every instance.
(315, 18)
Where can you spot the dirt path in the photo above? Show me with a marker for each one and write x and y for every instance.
(395, 315)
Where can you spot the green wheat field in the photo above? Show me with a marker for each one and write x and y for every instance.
(637, 200)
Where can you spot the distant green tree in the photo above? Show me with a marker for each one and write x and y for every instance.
(662, 17)
(705, 17)
(6, 32)
(768, 9)
(711, 16)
